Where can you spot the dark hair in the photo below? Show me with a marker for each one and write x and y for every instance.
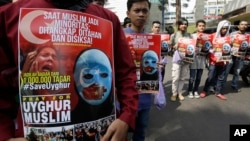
(200, 21)
(169, 29)
(39, 49)
(3, 2)
(100, 2)
(180, 22)
(131, 2)
(243, 21)
(126, 21)
(76, 5)
(157, 22)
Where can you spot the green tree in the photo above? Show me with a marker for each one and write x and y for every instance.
(161, 2)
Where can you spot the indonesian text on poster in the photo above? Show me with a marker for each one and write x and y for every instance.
(145, 50)
(186, 48)
(66, 80)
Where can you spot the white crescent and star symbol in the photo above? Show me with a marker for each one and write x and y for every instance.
(25, 27)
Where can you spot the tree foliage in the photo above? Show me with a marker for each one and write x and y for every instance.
(160, 6)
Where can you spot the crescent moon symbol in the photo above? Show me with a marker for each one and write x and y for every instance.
(25, 25)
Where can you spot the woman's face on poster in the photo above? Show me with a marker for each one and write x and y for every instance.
(47, 60)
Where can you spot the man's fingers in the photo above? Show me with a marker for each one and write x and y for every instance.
(107, 136)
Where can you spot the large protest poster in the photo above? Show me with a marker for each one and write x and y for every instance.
(145, 50)
(67, 74)
(222, 48)
(164, 44)
(186, 48)
(239, 45)
(204, 43)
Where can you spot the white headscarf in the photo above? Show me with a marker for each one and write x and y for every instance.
(221, 24)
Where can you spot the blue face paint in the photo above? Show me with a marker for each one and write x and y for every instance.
(149, 62)
(207, 45)
(244, 45)
(226, 48)
(164, 45)
(93, 76)
(190, 50)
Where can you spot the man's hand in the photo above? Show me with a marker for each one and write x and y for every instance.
(17, 139)
(117, 131)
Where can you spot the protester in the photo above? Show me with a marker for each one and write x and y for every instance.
(138, 12)
(126, 22)
(217, 68)
(196, 68)
(237, 61)
(124, 68)
(180, 69)
(169, 29)
(156, 27)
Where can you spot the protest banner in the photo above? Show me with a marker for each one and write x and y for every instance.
(145, 49)
(164, 44)
(67, 74)
(204, 43)
(222, 48)
(186, 48)
(239, 45)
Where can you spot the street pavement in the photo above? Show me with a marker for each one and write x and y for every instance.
(204, 119)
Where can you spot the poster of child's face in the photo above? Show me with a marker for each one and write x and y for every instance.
(93, 76)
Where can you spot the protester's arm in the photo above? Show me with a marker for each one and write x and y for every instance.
(125, 77)
(171, 40)
(8, 76)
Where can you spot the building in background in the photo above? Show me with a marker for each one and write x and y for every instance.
(119, 7)
(214, 9)
(196, 9)
(187, 11)
(210, 10)
(236, 11)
